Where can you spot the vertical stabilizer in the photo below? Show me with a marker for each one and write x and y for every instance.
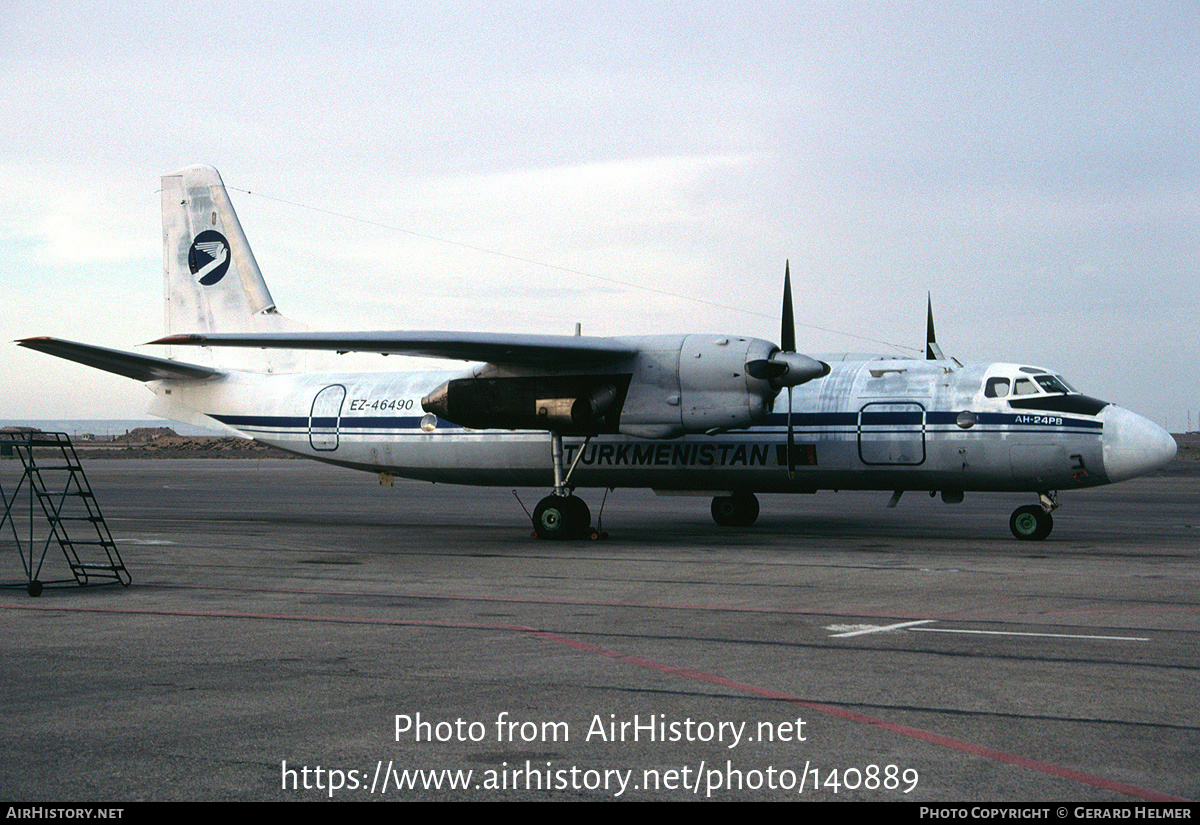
(213, 283)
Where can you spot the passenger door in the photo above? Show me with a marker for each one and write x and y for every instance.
(324, 418)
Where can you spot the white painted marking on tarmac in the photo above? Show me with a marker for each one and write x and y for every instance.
(863, 629)
(1044, 635)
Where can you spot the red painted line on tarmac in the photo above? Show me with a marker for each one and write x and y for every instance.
(687, 673)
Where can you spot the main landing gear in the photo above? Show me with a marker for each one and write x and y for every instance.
(1033, 522)
(563, 517)
(738, 509)
(562, 514)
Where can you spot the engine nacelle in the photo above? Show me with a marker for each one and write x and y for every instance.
(675, 385)
(695, 383)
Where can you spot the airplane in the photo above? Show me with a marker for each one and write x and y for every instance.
(685, 414)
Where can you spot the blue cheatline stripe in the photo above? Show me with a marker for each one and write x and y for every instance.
(293, 422)
(275, 421)
(932, 418)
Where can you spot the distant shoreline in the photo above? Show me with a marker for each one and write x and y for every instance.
(196, 446)
(81, 429)
(163, 442)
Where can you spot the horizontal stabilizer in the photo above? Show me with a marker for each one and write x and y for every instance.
(131, 365)
(503, 349)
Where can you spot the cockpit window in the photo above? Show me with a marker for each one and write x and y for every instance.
(996, 388)
(1052, 384)
(1039, 382)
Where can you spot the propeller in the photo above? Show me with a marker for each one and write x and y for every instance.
(786, 367)
(932, 351)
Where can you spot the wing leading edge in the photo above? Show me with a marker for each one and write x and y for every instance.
(128, 364)
(502, 349)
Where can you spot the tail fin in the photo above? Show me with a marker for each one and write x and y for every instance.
(213, 283)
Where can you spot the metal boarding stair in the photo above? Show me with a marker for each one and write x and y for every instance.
(54, 477)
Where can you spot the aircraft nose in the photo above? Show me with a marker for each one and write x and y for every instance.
(1133, 445)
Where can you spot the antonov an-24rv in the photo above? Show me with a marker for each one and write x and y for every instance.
(679, 413)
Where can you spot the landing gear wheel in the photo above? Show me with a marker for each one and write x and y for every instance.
(34, 588)
(581, 517)
(737, 510)
(561, 517)
(1031, 523)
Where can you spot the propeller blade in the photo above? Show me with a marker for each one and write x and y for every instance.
(932, 351)
(791, 443)
(787, 332)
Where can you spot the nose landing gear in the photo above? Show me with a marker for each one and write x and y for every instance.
(1033, 522)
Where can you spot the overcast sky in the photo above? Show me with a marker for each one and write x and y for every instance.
(1032, 165)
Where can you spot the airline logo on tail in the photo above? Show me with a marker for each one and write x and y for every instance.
(209, 257)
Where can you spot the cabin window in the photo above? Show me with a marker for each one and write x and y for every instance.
(1023, 386)
(996, 388)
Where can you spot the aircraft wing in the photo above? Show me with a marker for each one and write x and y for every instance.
(503, 349)
(128, 364)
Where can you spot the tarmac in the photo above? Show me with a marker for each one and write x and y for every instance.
(297, 632)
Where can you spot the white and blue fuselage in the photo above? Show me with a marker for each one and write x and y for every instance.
(885, 424)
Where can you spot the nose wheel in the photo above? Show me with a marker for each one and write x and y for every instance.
(1033, 522)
